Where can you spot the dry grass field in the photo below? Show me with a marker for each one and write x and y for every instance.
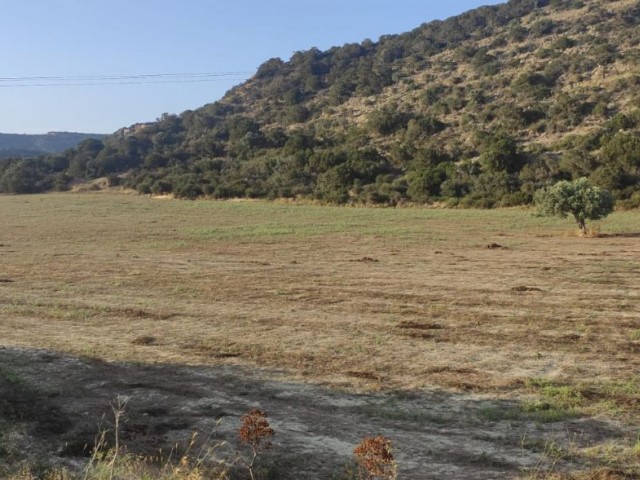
(484, 344)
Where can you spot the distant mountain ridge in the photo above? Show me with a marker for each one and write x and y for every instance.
(30, 145)
(479, 110)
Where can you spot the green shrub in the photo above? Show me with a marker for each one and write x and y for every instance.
(578, 198)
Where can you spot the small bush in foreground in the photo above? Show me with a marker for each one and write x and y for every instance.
(255, 432)
(375, 459)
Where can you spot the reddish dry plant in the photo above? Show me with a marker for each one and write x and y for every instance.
(255, 432)
(375, 459)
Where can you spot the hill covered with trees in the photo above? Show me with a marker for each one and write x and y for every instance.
(481, 109)
(23, 145)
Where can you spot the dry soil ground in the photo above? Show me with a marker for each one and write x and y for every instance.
(476, 362)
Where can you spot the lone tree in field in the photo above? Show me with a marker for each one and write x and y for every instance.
(578, 198)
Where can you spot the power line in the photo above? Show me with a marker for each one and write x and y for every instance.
(138, 79)
(114, 83)
(120, 77)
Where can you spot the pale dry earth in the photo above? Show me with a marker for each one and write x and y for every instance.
(436, 435)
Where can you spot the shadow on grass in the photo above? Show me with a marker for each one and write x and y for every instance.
(63, 401)
(620, 235)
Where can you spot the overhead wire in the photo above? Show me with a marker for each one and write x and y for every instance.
(133, 79)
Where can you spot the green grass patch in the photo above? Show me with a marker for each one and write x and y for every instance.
(555, 401)
(174, 224)
(586, 398)
(528, 411)
(250, 221)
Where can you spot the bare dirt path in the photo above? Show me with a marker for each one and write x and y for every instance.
(436, 435)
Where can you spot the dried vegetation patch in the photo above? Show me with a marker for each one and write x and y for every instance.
(362, 300)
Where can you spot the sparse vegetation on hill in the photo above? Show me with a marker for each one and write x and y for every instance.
(482, 109)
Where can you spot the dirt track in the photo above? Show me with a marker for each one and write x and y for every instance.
(435, 435)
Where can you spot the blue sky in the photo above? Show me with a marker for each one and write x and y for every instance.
(132, 37)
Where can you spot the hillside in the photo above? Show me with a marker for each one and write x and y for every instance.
(18, 145)
(479, 110)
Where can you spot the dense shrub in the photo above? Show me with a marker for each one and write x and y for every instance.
(578, 198)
